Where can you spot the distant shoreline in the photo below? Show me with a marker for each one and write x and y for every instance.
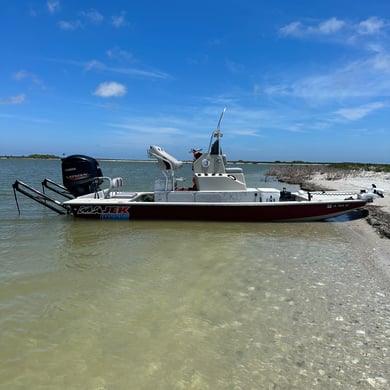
(381, 167)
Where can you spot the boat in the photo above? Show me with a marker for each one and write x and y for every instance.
(218, 193)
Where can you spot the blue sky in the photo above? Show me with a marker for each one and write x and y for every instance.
(301, 80)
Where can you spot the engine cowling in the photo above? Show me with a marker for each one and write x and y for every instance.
(80, 174)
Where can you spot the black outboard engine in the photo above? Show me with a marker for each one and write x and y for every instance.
(79, 174)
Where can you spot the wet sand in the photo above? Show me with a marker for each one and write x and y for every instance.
(372, 232)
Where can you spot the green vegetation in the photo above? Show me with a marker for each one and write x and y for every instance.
(39, 156)
(342, 166)
(302, 173)
(361, 166)
(43, 156)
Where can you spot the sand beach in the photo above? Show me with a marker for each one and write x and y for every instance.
(372, 232)
(355, 180)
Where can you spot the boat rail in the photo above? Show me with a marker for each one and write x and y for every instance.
(40, 197)
(57, 188)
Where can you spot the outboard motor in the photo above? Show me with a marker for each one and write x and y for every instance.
(79, 174)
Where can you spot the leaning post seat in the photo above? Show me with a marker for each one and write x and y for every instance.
(168, 165)
(164, 159)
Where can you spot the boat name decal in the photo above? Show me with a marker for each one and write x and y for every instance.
(105, 212)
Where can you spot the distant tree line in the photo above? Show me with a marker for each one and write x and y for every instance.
(342, 165)
(40, 156)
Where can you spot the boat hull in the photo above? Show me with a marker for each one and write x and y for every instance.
(240, 212)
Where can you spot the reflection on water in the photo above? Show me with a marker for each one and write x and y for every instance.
(113, 305)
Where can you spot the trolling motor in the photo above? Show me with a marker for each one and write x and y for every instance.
(372, 193)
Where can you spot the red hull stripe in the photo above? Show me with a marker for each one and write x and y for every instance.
(217, 212)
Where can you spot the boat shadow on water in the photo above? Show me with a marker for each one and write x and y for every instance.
(350, 216)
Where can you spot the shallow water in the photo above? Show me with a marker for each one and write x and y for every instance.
(176, 305)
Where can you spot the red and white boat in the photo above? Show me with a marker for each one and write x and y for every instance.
(219, 193)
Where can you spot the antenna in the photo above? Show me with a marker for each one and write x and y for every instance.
(219, 122)
(217, 131)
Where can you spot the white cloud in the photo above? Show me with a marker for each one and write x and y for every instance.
(135, 72)
(381, 62)
(152, 129)
(89, 16)
(110, 89)
(93, 15)
(292, 29)
(371, 26)
(335, 27)
(120, 55)
(330, 26)
(94, 64)
(119, 20)
(246, 133)
(360, 112)
(17, 99)
(53, 6)
(368, 76)
(327, 27)
(24, 75)
(361, 78)
(69, 26)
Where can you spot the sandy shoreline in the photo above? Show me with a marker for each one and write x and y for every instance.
(371, 234)
(379, 210)
(357, 181)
